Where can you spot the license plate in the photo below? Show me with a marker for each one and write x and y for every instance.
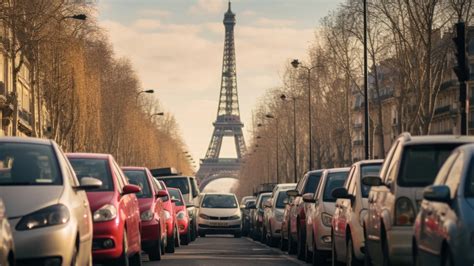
(219, 224)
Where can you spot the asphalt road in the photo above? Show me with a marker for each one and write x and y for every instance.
(225, 250)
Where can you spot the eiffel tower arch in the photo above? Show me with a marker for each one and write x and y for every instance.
(228, 122)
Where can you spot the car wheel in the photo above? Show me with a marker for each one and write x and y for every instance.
(283, 243)
(177, 240)
(193, 233)
(318, 256)
(447, 258)
(136, 259)
(123, 259)
(154, 254)
(351, 259)
(291, 243)
(367, 258)
(385, 254)
(238, 235)
(263, 235)
(170, 247)
(202, 234)
(301, 244)
(186, 238)
(308, 254)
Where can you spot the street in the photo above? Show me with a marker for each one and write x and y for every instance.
(225, 250)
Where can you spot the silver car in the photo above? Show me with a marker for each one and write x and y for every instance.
(219, 213)
(444, 227)
(351, 208)
(273, 213)
(319, 214)
(46, 205)
(7, 250)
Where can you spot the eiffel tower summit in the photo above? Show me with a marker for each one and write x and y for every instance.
(228, 122)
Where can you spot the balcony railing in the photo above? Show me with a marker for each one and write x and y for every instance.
(26, 117)
(442, 109)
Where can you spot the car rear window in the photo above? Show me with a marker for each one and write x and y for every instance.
(334, 180)
(281, 198)
(25, 164)
(174, 194)
(139, 178)
(179, 183)
(219, 202)
(368, 170)
(420, 163)
(312, 183)
(97, 168)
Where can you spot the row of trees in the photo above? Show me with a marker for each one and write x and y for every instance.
(410, 54)
(86, 97)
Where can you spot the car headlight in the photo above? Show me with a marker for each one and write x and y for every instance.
(191, 211)
(52, 215)
(279, 216)
(147, 215)
(234, 217)
(167, 215)
(203, 216)
(105, 213)
(326, 219)
(181, 215)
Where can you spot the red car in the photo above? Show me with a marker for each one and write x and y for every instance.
(114, 205)
(182, 215)
(171, 221)
(152, 212)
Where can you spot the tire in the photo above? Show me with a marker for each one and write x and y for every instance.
(301, 246)
(291, 243)
(318, 256)
(308, 257)
(123, 259)
(238, 235)
(135, 260)
(154, 254)
(170, 247)
(367, 258)
(283, 243)
(351, 259)
(202, 234)
(447, 258)
(193, 233)
(385, 254)
(177, 239)
(263, 235)
(186, 238)
(164, 243)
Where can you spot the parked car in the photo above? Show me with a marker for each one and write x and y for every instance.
(256, 215)
(182, 216)
(246, 219)
(411, 164)
(219, 213)
(285, 223)
(273, 213)
(46, 204)
(318, 242)
(116, 213)
(172, 230)
(245, 200)
(351, 209)
(7, 248)
(190, 191)
(297, 213)
(443, 231)
(152, 212)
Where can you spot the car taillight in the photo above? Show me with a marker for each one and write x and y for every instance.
(404, 212)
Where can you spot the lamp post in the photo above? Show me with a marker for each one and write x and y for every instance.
(157, 114)
(366, 97)
(270, 116)
(295, 63)
(283, 97)
(144, 91)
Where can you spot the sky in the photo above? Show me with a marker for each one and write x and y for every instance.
(176, 48)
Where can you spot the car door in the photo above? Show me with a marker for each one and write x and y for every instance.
(295, 205)
(341, 215)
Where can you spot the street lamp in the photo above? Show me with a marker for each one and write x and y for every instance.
(157, 114)
(295, 63)
(270, 116)
(283, 97)
(78, 16)
(144, 91)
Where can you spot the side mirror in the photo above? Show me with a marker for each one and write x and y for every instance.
(372, 181)
(438, 193)
(190, 205)
(130, 189)
(285, 201)
(341, 193)
(267, 204)
(309, 197)
(242, 206)
(161, 194)
(293, 193)
(87, 183)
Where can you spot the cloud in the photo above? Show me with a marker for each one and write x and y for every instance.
(248, 13)
(267, 22)
(208, 6)
(147, 24)
(160, 13)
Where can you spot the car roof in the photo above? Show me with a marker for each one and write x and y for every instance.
(28, 140)
(369, 161)
(265, 194)
(174, 176)
(133, 168)
(315, 171)
(88, 155)
(340, 169)
(435, 139)
(286, 184)
(219, 193)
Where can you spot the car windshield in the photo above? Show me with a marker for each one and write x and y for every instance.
(25, 164)
(219, 201)
(280, 200)
(421, 163)
(368, 170)
(312, 183)
(174, 194)
(334, 180)
(263, 198)
(179, 183)
(139, 178)
(97, 168)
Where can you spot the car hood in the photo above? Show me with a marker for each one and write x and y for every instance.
(99, 199)
(329, 207)
(219, 212)
(18, 203)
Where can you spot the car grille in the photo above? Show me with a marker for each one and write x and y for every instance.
(219, 227)
(220, 218)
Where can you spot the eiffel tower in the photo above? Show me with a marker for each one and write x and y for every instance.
(228, 122)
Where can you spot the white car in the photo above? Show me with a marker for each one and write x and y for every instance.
(7, 253)
(46, 205)
(219, 213)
